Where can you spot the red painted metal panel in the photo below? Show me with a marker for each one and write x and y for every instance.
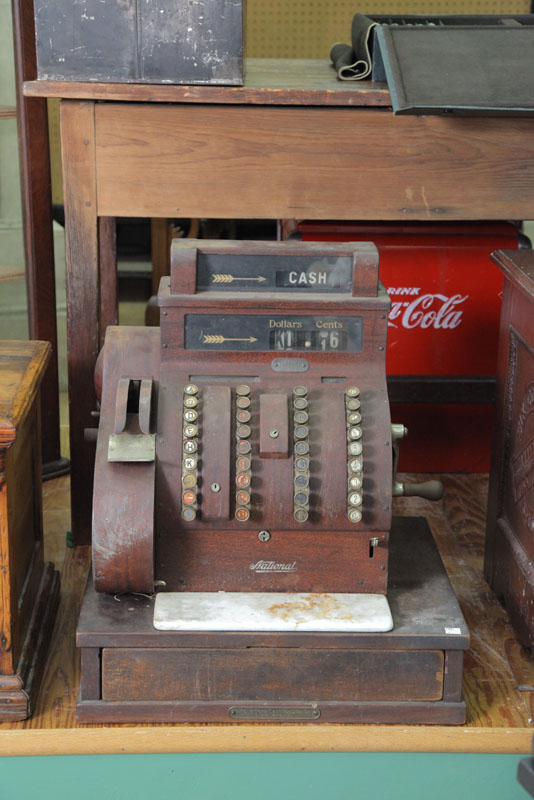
(446, 300)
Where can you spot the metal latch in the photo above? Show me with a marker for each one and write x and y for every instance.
(131, 439)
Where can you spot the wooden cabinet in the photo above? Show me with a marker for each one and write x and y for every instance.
(29, 588)
(509, 558)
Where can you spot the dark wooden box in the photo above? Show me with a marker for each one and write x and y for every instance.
(29, 588)
(164, 41)
(509, 553)
(132, 672)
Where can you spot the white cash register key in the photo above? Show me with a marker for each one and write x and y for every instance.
(355, 465)
(355, 499)
(355, 482)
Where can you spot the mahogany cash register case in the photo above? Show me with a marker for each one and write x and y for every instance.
(244, 472)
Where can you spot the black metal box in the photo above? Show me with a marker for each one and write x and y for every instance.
(140, 41)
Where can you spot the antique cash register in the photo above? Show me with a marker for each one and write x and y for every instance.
(242, 521)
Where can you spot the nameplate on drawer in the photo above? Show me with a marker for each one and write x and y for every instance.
(272, 712)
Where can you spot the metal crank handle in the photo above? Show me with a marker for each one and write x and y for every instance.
(429, 490)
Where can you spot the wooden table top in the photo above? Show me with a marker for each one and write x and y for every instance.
(498, 673)
(268, 81)
(22, 365)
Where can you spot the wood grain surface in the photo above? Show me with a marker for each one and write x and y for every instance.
(509, 556)
(34, 160)
(22, 365)
(29, 589)
(83, 298)
(499, 713)
(315, 163)
(268, 81)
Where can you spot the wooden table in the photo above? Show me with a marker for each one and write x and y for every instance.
(478, 759)
(292, 142)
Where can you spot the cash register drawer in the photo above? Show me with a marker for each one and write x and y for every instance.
(271, 674)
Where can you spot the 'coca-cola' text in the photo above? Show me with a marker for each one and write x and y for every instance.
(425, 310)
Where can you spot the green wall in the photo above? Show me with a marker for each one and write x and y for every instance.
(269, 776)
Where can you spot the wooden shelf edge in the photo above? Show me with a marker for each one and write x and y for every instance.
(268, 81)
(257, 739)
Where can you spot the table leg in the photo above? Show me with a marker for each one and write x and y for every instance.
(83, 299)
(38, 232)
(109, 285)
(161, 255)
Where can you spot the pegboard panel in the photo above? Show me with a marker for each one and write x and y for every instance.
(308, 28)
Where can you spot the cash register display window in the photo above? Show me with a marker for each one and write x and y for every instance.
(305, 333)
(323, 341)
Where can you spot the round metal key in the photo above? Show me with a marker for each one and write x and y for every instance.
(190, 446)
(243, 447)
(243, 480)
(189, 497)
(189, 480)
(301, 432)
(353, 404)
(301, 498)
(189, 514)
(300, 417)
(243, 431)
(300, 391)
(243, 463)
(301, 481)
(300, 403)
(190, 431)
(190, 402)
(355, 499)
(243, 402)
(190, 389)
(243, 416)
(242, 514)
(354, 417)
(355, 515)
(243, 390)
(302, 463)
(352, 391)
(242, 498)
(190, 415)
(301, 515)
(355, 482)
(355, 448)
(302, 448)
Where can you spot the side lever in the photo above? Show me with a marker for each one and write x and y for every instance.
(131, 439)
(429, 490)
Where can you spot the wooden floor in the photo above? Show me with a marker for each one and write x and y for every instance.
(500, 714)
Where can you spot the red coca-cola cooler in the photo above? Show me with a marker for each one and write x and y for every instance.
(443, 330)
